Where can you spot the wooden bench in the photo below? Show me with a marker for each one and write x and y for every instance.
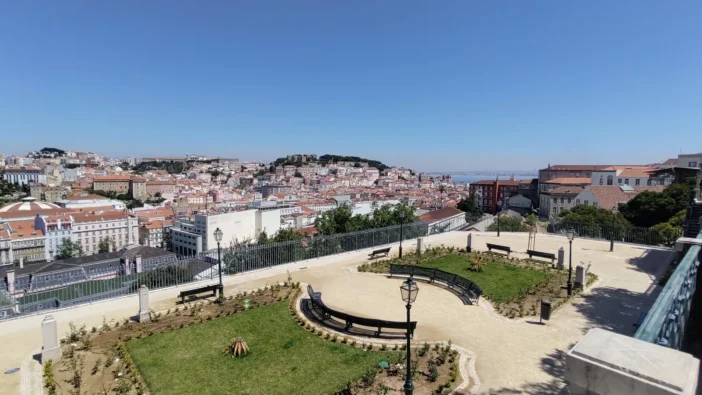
(325, 314)
(641, 319)
(196, 291)
(463, 286)
(547, 255)
(382, 251)
(499, 248)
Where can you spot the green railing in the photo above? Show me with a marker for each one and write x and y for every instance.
(666, 321)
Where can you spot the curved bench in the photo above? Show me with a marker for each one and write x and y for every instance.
(463, 286)
(348, 322)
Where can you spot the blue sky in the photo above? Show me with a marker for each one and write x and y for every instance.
(450, 85)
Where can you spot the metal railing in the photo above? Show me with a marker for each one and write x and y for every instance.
(620, 233)
(73, 287)
(666, 321)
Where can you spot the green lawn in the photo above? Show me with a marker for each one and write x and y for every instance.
(500, 282)
(284, 358)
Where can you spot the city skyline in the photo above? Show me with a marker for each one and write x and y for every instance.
(464, 86)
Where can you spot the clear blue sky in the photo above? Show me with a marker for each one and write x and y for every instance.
(441, 85)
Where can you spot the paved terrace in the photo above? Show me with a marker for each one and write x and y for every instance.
(513, 356)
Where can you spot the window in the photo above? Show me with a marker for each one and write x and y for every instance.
(620, 181)
(569, 200)
(555, 210)
(610, 179)
(649, 182)
(562, 200)
(601, 180)
(587, 202)
(555, 200)
(577, 201)
(637, 182)
(626, 181)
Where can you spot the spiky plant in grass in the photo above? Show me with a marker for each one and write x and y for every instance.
(477, 263)
(238, 348)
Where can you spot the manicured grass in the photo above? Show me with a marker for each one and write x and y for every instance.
(500, 282)
(284, 358)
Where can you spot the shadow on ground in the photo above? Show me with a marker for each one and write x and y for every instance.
(652, 262)
(554, 365)
(614, 309)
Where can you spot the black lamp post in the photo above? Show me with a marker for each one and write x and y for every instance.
(571, 235)
(499, 209)
(218, 238)
(401, 237)
(611, 239)
(409, 291)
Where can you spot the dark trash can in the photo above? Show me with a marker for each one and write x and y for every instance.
(545, 309)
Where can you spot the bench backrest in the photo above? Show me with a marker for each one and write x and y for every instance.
(435, 274)
(498, 247)
(541, 254)
(370, 322)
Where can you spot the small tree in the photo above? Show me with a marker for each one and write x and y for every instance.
(69, 249)
(104, 245)
(509, 224)
(471, 207)
(532, 219)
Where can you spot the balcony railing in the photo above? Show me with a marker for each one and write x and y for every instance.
(666, 321)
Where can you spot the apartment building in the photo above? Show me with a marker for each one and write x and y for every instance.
(164, 188)
(635, 176)
(56, 228)
(121, 228)
(193, 237)
(46, 193)
(21, 242)
(546, 188)
(560, 199)
(135, 187)
(155, 233)
(690, 160)
(24, 175)
(492, 194)
(273, 189)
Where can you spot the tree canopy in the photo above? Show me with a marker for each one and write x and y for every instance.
(471, 207)
(651, 208)
(69, 249)
(591, 215)
(342, 220)
(508, 224)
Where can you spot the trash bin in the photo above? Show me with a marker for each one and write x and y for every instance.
(545, 309)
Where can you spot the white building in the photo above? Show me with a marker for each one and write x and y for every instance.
(56, 228)
(24, 175)
(690, 160)
(190, 238)
(121, 228)
(635, 176)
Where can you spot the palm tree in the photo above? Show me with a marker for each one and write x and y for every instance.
(238, 348)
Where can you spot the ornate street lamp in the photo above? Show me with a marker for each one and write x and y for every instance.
(611, 239)
(409, 291)
(570, 234)
(218, 238)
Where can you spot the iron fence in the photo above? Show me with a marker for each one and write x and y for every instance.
(617, 232)
(85, 285)
(667, 320)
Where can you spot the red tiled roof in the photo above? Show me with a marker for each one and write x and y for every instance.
(609, 196)
(438, 215)
(577, 167)
(570, 180)
(114, 177)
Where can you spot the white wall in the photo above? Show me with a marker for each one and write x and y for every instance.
(268, 220)
(238, 225)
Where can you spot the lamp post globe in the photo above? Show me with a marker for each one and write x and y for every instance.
(570, 234)
(409, 291)
(218, 238)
